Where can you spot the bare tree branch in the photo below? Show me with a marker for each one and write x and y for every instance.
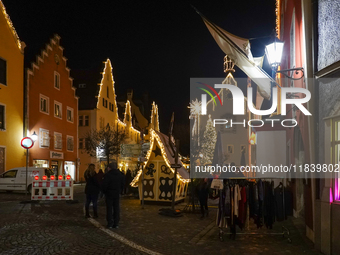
(106, 140)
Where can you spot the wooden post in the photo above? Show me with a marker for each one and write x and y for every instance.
(142, 185)
(175, 177)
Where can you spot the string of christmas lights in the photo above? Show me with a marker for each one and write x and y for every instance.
(10, 24)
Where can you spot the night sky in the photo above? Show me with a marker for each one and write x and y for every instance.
(155, 46)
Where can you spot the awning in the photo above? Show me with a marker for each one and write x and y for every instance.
(238, 49)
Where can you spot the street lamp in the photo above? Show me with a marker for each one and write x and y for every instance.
(34, 137)
(274, 54)
(27, 143)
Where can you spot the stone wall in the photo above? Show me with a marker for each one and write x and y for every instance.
(329, 105)
(329, 33)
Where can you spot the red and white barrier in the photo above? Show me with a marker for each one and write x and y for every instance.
(52, 189)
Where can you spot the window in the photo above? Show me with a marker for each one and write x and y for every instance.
(86, 121)
(292, 45)
(81, 143)
(56, 80)
(57, 109)
(69, 113)
(70, 143)
(58, 143)
(2, 159)
(107, 92)
(81, 119)
(335, 150)
(3, 72)
(101, 122)
(2, 117)
(230, 149)
(44, 141)
(104, 102)
(10, 174)
(44, 104)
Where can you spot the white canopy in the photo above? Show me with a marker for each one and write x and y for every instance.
(238, 49)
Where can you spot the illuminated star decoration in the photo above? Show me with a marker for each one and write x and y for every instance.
(157, 151)
(195, 108)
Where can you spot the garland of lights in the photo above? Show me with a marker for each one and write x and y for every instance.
(277, 20)
(154, 114)
(10, 24)
(108, 62)
(153, 137)
(127, 108)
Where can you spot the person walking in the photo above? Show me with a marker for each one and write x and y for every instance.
(203, 194)
(92, 190)
(113, 184)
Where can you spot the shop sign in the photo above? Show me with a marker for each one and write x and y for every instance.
(56, 155)
(130, 150)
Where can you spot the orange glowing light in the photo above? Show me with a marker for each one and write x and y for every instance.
(252, 138)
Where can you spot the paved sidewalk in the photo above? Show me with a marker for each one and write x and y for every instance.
(60, 228)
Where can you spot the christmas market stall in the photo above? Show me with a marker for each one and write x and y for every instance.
(158, 176)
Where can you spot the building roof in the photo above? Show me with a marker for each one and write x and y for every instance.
(165, 141)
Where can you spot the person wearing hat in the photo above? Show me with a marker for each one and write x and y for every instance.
(113, 184)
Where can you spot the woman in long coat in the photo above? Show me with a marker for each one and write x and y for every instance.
(92, 190)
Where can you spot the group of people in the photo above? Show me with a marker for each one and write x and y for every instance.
(111, 185)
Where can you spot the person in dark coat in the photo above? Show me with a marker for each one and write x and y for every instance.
(123, 188)
(128, 179)
(100, 176)
(113, 184)
(92, 190)
(203, 194)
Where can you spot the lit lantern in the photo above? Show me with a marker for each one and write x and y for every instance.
(274, 52)
(60, 177)
(52, 177)
(44, 177)
(36, 177)
(68, 177)
(252, 138)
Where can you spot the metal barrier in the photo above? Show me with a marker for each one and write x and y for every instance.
(51, 189)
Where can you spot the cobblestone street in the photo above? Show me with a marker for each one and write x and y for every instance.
(51, 228)
(60, 228)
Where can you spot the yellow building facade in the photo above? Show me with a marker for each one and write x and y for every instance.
(11, 94)
(104, 112)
